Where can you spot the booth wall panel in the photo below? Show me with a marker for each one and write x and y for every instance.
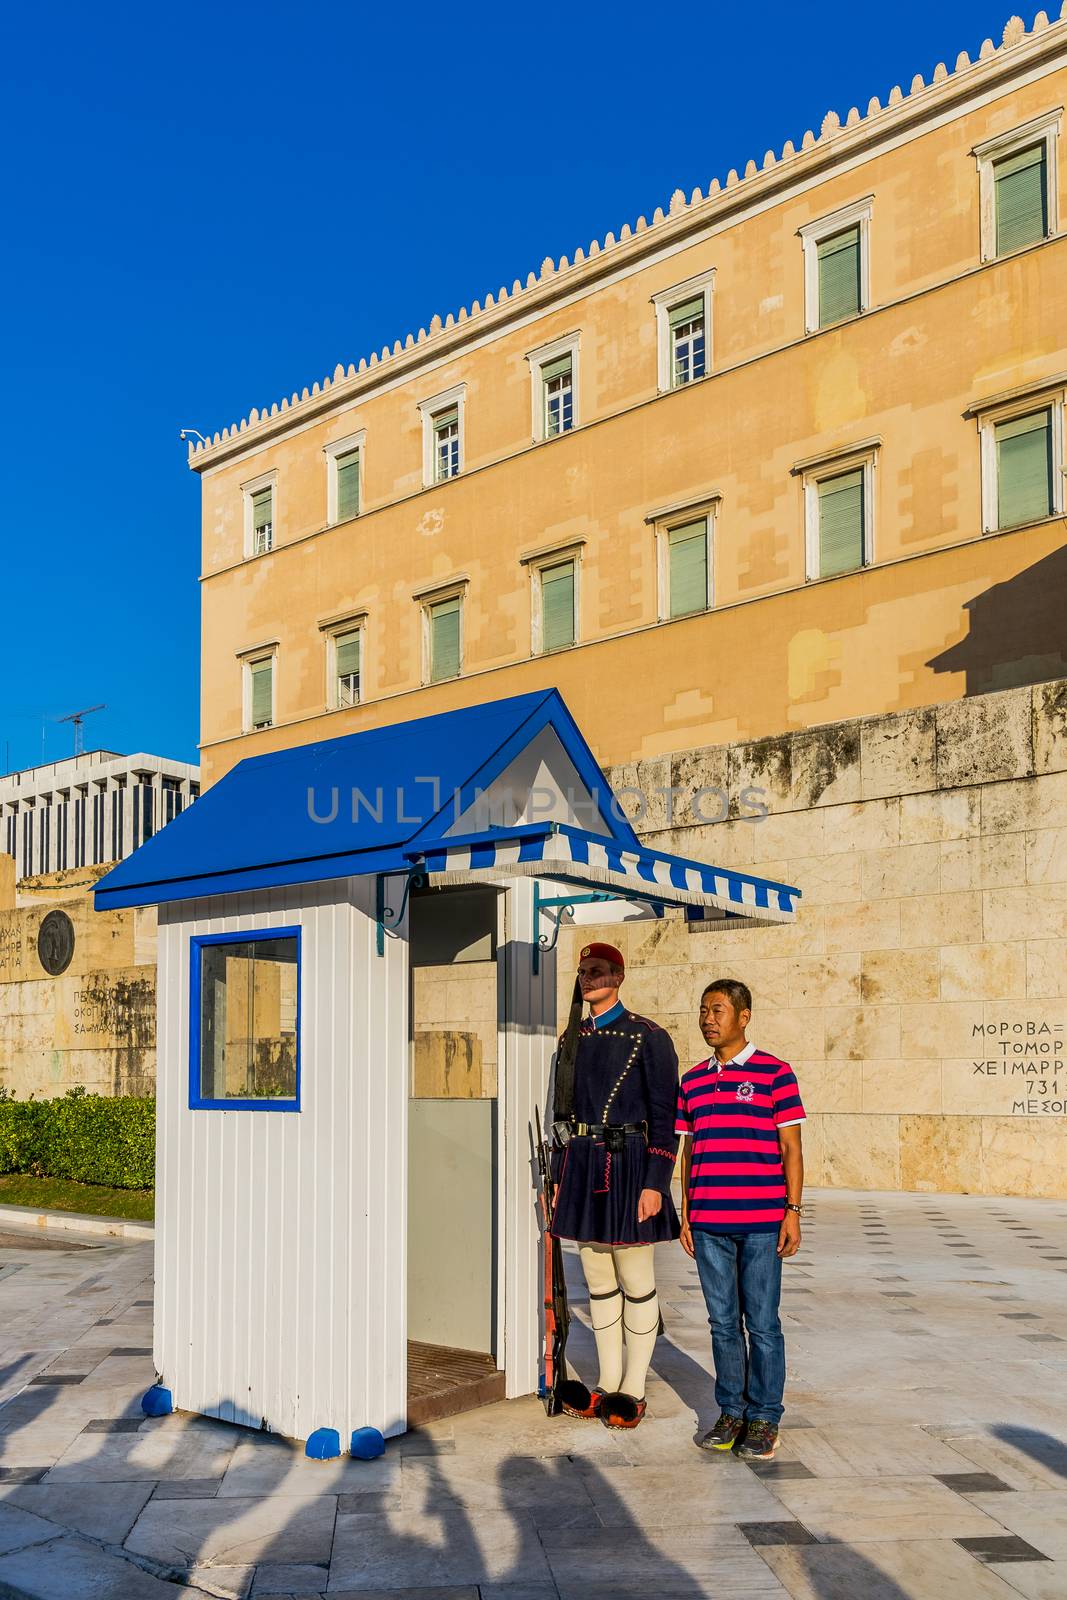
(280, 1235)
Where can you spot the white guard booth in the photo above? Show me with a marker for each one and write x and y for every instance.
(356, 1019)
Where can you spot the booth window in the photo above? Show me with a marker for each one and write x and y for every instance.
(245, 1020)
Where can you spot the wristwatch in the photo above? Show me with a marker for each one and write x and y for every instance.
(789, 1206)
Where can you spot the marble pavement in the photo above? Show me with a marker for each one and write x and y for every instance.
(924, 1450)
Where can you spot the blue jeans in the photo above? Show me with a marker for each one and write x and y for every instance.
(741, 1276)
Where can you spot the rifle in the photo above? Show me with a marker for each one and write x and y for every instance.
(557, 1312)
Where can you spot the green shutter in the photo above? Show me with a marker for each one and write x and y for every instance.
(688, 579)
(262, 508)
(1021, 185)
(557, 368)
(1024, 469)
(347, 648)
(444, 640)
(262, 674)
(688, 311)
(839, 276)
(444, 419)
(841, 523)
(557, 606)
(348, 486)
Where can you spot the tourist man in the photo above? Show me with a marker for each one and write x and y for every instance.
(614, 1103)
(742, 1177)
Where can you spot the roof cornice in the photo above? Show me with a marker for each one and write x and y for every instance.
(838, 143)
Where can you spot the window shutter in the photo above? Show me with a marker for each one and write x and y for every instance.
(262, 507)
(841, 523)
(347, 647)
(1024, 469)
(688, 311)
(839, 276)
(557, 606)
(262, 675)
(444, 640)
(348, 486)
(445, 419)
(556, 369)
(1021, 198)
(688, 554)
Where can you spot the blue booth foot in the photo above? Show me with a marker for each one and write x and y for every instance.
(323, 1445)
(157, 1401)
(367, 1444)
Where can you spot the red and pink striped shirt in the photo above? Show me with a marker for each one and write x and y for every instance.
(732, 1113)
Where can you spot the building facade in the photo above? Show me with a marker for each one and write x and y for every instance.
(89, 809)
(786, 456)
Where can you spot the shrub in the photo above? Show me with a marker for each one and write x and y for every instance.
(87, 1138)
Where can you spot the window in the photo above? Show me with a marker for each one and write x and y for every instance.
(46, 830)
(839, 511)
(1017, 185)
(1022, 454)
(687, 568)
(344, 480)
(557, 593)
(837, 265)
(442, 436)
(445, 641)
(259, 693)
(554, 374)
(118, 804)
(259, 514)
(346, 663)
(245, 1021)
(683, 317)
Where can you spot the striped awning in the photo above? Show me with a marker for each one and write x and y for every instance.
(569, 855)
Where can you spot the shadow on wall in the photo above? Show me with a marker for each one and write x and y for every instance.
(1017, 633)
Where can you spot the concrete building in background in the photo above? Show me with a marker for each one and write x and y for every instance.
(78, 987)
(771, 486)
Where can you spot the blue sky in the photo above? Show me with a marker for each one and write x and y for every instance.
(207, 207)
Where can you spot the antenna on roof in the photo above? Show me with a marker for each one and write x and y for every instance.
(77, 717)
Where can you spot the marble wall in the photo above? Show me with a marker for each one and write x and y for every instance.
(922, 993)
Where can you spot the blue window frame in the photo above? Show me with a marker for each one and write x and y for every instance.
(244, 1020)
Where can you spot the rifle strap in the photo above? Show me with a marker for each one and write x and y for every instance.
(563, 1107)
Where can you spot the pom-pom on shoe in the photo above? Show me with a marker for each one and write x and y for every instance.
(578, 1401)
(621, 1410)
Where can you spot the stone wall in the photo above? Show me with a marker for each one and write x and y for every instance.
(91, 1025)
(922, 993)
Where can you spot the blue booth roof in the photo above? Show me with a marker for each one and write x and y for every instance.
(267, 821)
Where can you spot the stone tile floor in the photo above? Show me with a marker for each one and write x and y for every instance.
(924, 1450)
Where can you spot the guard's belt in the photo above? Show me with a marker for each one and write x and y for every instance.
(598, 1130)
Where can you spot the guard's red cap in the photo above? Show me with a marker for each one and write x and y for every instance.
(606, 952)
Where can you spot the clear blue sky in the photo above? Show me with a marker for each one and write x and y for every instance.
(206, 207)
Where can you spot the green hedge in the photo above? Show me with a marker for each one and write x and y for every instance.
(88, 1138)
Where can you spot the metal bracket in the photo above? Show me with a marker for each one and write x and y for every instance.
(567, 902)
(385, 914)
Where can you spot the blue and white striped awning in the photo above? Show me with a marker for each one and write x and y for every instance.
(572, 856)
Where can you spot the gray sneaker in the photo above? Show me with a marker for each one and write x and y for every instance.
(760, 1442)
(724, 1435)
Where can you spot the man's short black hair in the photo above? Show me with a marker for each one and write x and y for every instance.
(739, 994)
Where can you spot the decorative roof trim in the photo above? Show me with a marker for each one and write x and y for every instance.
(446, 337)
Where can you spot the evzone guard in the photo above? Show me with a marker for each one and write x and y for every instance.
(614, 1102)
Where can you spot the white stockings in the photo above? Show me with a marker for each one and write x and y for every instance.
(624, 1311)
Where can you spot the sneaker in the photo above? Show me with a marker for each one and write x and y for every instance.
(724, 1435)
(761, 1441)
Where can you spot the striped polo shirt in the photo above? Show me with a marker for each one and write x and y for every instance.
(732, 1114)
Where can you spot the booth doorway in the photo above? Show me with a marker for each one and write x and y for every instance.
(454, 1341)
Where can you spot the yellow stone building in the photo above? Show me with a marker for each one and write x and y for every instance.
(770, 485)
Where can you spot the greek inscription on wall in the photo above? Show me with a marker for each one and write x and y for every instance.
(10, 950)
(1029, 1054)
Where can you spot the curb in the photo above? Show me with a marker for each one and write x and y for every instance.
(78, 1222)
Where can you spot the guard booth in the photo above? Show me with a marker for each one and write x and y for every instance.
(357, 1014)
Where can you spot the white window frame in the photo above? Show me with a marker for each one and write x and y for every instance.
(456, 589)
(1050, 399)
(536, 563)
(811, 474)
(812, 234)
(456, 396)
(539, 358)
(704, 284)
(332, 452)
(266, 480)
(332, 629)
(662, 522)
(1044, 129)
(249, 659)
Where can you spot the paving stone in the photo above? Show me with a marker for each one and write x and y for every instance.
(69, 1568)
(288, 1578)
(912, 1569)
(21, 1528)
(779, 1469)
(973, 1482)
(421, 1552)
(114, 1425)
(187, 1489)
(995, 1548)
(764, 1533)
(235, 1532)
(104, 1511)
